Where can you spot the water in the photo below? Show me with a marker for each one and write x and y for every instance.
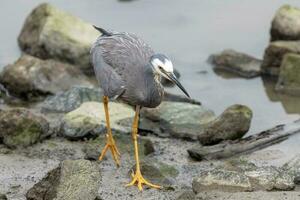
(188, 32)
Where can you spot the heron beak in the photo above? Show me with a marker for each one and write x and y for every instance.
(174, 79)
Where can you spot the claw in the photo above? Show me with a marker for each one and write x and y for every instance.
(110, 144)
(138, 179)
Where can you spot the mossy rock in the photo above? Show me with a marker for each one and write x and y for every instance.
(21, 128)
(49, 32)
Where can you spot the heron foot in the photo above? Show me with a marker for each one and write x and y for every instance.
(110, 144)
(139, 180)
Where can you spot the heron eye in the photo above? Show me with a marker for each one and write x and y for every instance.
(160, 67)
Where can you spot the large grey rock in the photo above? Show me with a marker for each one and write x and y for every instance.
(222, 180)
(89, 119)
(31, 77)
(285, 25)
(70, 100)
(274, 54)
(52, 33)
(21, 128)
(236, 62)
(72, 180)
(232, 124)
(271, 178)
(180, 120)
(289, 77)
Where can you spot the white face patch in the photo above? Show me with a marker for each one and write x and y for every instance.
(160, 66)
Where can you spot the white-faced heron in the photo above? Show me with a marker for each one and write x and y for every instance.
(129, 70)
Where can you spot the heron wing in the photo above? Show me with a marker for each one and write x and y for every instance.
(111, 83)
(118, 59)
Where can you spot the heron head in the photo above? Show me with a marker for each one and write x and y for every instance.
(163, 66)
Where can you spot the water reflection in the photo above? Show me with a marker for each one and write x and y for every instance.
(291, 104)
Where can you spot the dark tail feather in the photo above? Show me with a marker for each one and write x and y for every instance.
(103, 31)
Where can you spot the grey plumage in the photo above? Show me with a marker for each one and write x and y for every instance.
(122, 66)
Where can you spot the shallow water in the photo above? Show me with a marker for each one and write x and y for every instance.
(187, 31)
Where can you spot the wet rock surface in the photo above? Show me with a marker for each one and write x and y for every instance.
(285, 25)
(89, 119)
(52, 33)
(21, 128)
(232, 124)
(274, 55)
(289, 76)
(180, 120)
(30, 77)
(236, 62)
(69, 100)
(73, 179)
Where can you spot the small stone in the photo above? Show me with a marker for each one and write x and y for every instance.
(21, 128)
(285, 25)
(232, 124)
(289, 76)
(297, 180)
(72, 180)
(236, 62)
(3, 197)
(30, 77)
(52, 33)
(149, 148)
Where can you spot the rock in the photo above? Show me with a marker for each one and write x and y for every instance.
(232, 124)
(236, 62)
(148, 147)
(52, 33)
(89, 119)
(73, 179)
(297, 180)
(186, 195)
(274, 54)
(21, 128)
(271, 178)
(293, 166)
(31, 77)
(180, 120)
(289, 77)
(3, 197)
(158, 173)
(69, 100)
(221, 180)
(124, 143)
(285, 25)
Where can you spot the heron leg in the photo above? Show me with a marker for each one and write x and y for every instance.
(110, 142)
(137, 177)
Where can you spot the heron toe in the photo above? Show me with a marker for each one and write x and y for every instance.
(139, 180)
(110, 144)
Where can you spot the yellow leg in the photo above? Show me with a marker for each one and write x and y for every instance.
(110, 142)
(137, 178)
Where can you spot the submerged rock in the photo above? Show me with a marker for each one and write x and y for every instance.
(180, 120)
(31, 77)
(52, 33)
(222, 180)
(69, 100)
(236, 62)
(72, 180)
(21, 128)
(285, 25)
(289, 77)
(89, 119)
(274, 54)
(232, 124)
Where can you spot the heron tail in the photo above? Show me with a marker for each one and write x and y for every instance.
(103, 31)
